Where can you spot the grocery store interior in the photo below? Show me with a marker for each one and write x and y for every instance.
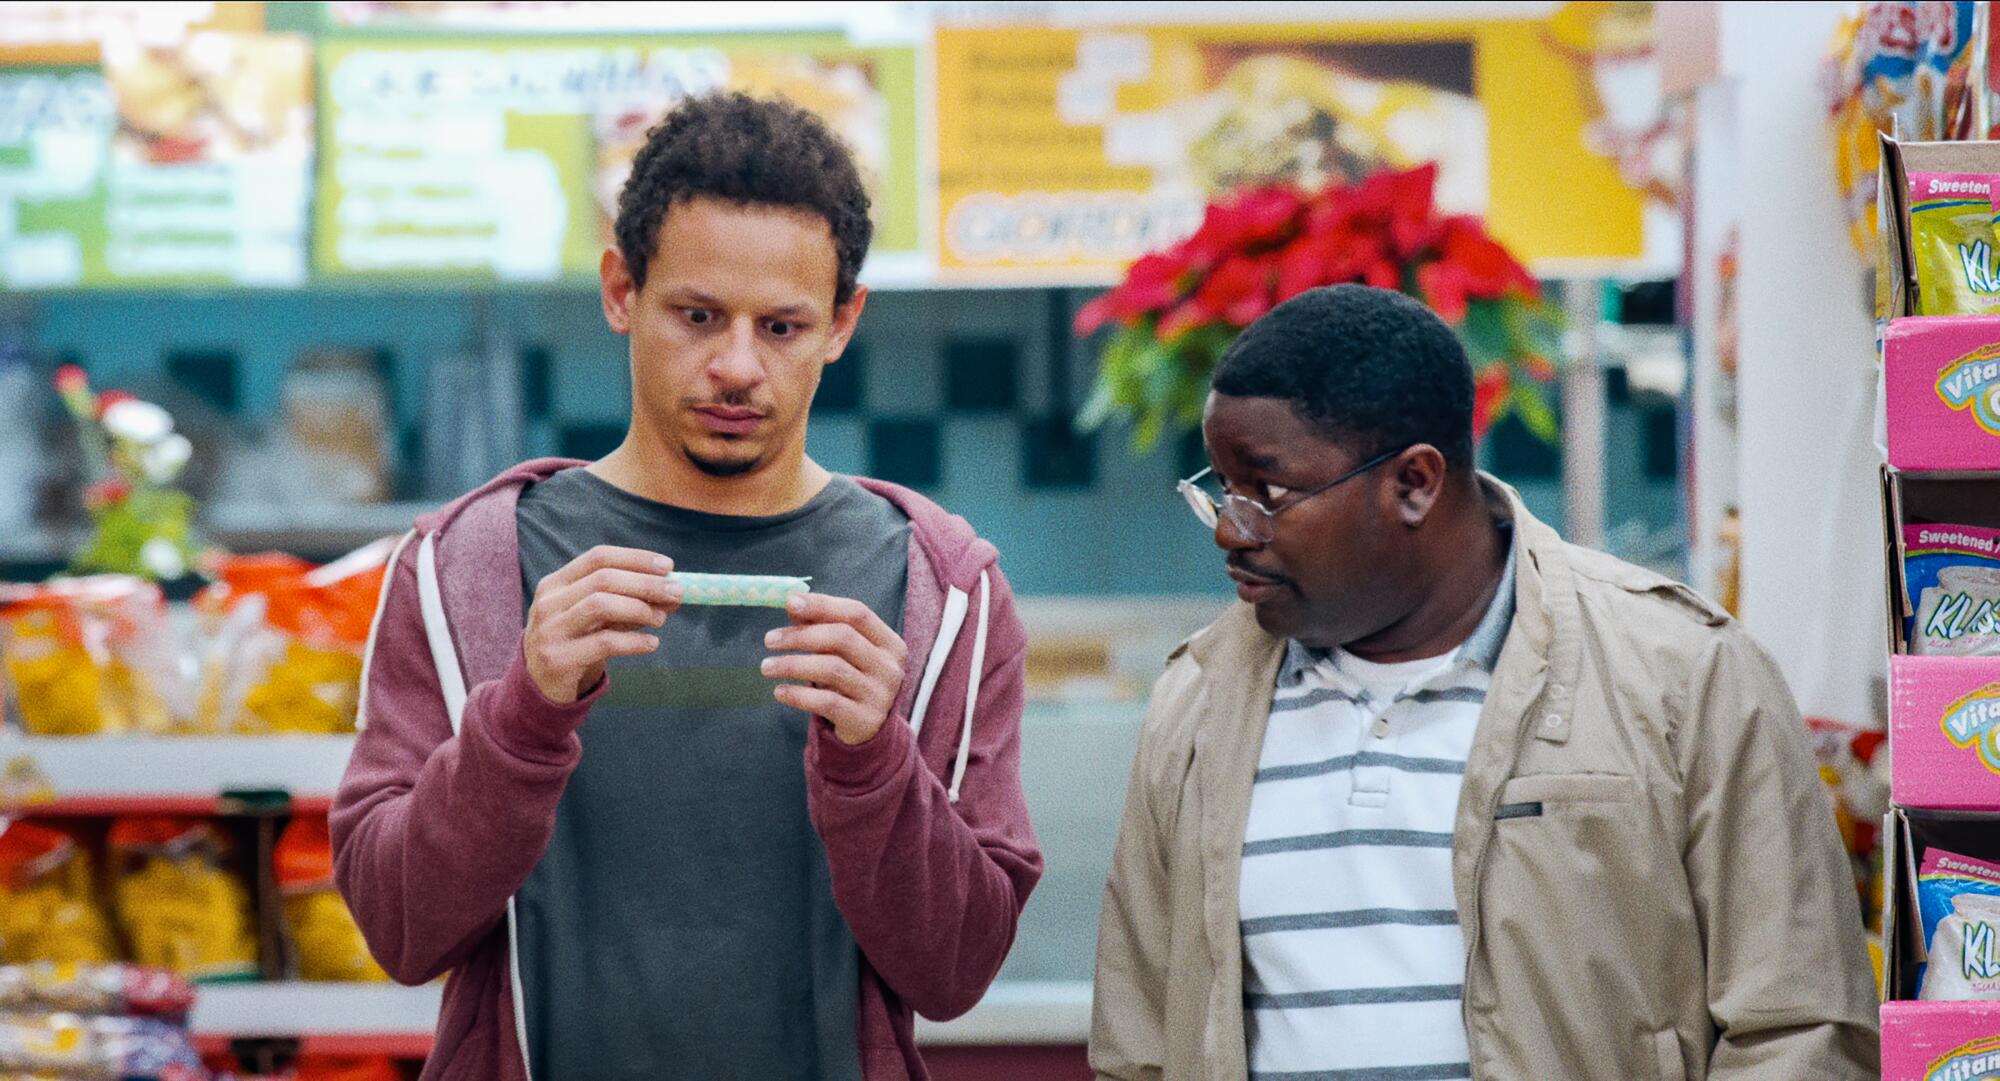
(278, 278)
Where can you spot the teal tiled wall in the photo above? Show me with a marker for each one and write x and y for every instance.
(1127, 533)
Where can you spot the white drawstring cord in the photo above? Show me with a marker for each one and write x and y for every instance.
(972, 685)
(954, 618)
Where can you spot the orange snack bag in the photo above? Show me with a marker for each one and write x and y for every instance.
(90, 656)
(179, 905)
(285, 641)
(329, 944)
(48, 899)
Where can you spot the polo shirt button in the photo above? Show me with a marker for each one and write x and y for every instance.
(1382, 728)
(1552, 723)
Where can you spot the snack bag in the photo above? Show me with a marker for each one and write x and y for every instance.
(1951, 229)
(92, 655)
(285, 640)
(1952, 578)
(112, 990)
(181, 909)
(329, 944)
(117, 1048)
(48, 899)
(347, 1068)
(1958, 899)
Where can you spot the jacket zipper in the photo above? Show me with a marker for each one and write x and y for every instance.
(1479, 879)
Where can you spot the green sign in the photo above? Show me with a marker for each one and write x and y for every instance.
(502, 159)
(188, 165)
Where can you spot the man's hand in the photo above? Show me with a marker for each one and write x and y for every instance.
(590, 611)
(850, 660)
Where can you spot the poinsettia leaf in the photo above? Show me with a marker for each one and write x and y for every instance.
(1484, 333)
(1542, 326)
(1098, 407)
(1529, 403)
(1147, 434)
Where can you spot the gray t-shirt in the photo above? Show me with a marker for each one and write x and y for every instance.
(681, 924)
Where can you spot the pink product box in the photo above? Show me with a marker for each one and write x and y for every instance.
(1944, 723)
(1940, 1041)
(1942, 382)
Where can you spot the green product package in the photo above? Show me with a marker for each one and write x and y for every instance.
(1951, 230)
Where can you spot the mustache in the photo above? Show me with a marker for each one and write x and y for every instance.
(1246, 567)
(730, 400)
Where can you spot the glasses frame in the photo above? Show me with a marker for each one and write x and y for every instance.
(1253, 519)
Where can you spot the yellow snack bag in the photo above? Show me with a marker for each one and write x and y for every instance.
(1951, 229)
(285, 641)
(48, 899)
(328, 943)
(180, 908)
(93, 655)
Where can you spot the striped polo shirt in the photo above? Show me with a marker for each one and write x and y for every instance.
(1354, 963)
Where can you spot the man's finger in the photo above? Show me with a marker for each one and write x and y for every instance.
(606, 557)
(829, 672)
(806, 608)
(603, 645)
(838, 639)
(601, 610)
(820, 703)
(654, 589)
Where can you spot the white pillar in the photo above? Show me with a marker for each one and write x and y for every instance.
(1812, 571)
(1583, 415)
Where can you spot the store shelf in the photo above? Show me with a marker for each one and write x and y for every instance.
(34, 546)
(314, 528)
(1017, 1014)
(92, 775)
(385, 1019)
(327, 1018)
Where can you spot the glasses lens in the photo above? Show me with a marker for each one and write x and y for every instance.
(1199, 502)
(1249, 517)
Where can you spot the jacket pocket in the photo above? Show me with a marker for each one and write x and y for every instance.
(1562, 788)
(1667, 1050)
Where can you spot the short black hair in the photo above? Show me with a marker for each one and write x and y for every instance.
(1371, 368)
(753, 151)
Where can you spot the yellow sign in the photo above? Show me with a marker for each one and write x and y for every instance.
(1066, 153)
(66, 32)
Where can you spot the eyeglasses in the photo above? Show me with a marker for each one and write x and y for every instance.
(1254, 520)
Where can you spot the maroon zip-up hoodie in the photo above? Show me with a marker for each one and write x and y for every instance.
(450, 798)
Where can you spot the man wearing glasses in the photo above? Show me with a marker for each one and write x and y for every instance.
(1447, 798)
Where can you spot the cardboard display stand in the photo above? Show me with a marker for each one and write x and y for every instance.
(1941, 378)
(1944, 723)
(1941, 400)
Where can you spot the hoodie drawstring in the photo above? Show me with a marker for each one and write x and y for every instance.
(956, 603)
(972, 685)
(954, 618)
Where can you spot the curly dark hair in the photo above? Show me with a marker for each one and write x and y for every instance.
(751, 151)
(1371, 368)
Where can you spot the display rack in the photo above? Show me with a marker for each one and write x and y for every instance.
(120, 775)
(368, 1019)
(326, 1018)
(1941, 467)
(115, 775)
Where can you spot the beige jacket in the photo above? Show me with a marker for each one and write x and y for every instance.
(1681, 910)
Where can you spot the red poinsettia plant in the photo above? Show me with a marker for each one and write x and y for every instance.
(1177, 310)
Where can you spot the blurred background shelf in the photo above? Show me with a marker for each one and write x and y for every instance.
(1018, 1014)
(312, 528)
(361, 1019)
(327, 1018)
(172, 775)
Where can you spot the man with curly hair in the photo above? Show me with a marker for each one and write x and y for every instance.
(666, 841)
